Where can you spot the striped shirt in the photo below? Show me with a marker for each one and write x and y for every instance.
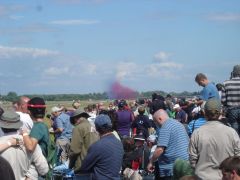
(195, 124)
(231, 92)
(173, 136)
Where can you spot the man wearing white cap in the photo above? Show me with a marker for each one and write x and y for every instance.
(63, 132)
(181, 115)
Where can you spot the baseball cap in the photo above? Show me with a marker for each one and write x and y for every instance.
(103, 120)
(176, 106)
(213, 105)
(56, 109)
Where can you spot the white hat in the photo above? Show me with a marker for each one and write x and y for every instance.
(176, 106)
(196, 109)
(56, 109)
(152, 138)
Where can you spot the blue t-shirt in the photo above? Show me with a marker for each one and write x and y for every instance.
(195, 124)
(181, 116)
(173, 136)
(209, 91)
(104, 159)
(63, 122)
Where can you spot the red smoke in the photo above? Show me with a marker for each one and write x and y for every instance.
(118, 91)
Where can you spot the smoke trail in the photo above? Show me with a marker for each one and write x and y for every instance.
(118, 91)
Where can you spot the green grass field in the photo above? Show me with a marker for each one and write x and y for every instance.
(68, 104)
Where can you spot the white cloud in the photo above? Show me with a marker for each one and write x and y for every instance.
(163, 66)
(55, 71)
(16, 17)
(162, 56)
(18, 52)
(171, 65)
(125, 69)
(75, 22)
(91, 69)
(225, 17)
(162, 70)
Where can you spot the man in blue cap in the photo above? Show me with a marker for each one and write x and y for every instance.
(104, 158)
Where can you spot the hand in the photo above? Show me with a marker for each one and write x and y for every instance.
(22, 131)
(15, 141)
(150, 167)
(51, 130)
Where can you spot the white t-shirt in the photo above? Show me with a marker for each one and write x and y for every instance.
(27, 121)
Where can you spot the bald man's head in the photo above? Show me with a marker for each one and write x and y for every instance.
(160, 116)
(22, 104)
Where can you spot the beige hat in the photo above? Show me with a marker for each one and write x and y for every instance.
(10, 120)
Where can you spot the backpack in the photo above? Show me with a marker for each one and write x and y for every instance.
(51, 158)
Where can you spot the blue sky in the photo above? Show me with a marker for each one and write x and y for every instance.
(82, 46)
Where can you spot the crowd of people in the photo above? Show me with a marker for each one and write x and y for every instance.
(162, 138)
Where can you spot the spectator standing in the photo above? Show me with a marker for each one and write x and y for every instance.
(39, 133)
(212, 143)
(197, 123)
(209, 89)
(83, 136)
(141, 123)
(104, 158)
(63, 132)
(157, 103)
(18, 157)
(22, 110)
(180, 115)
(124, 120)
(172, 144)
(231, 98)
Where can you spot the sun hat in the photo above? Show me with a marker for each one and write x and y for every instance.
(10, 120)
(79, 113)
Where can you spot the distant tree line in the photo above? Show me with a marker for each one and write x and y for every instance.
(13, 96)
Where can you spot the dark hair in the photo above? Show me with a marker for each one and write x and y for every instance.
(128, 144)
(34, 106)
(141, 110)
(104, 129)
(141, 101)
(90, 107)
(230, 164)
(5, 130)
(168, 96)
(219, 86)
(200, 76)
(48, 116)
(1, 111)
(6, 170)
